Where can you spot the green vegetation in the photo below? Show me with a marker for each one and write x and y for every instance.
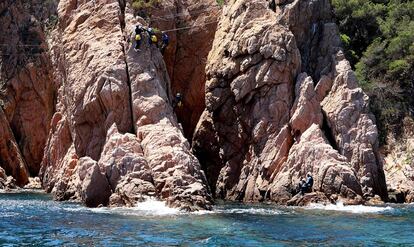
(220, 2)
(378, 36)
(143, 7)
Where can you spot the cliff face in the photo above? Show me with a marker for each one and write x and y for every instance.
(115, 138)
(260, 109)
(276, 96)
(26, 91)
(191, 26)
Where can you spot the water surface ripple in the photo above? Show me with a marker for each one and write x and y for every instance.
(33, 219)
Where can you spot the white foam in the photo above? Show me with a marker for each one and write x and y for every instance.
(150, 207)
(155, 207)
(251, 211)
(356, 209)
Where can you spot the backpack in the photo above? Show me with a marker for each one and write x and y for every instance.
(137, 37)
(154, 38)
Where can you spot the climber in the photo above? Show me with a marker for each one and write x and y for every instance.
(272, 5)
(138, 37)
(178, 101)
(309, 182)
(165, 42)
(302, 186)
(152, 38)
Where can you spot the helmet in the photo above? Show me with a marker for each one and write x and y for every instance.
(308, 174)
(150, 30)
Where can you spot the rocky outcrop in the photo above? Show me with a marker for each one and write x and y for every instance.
(10, 157)
(314, 154)
(259, 105)
(6, 182)
(26, 83)
(249, 94)
(115, 139)
(398, 161)
(345, 106)
(191, 26)
(353, 127)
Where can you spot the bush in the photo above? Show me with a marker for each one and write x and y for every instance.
(143, 7)
(378, 37)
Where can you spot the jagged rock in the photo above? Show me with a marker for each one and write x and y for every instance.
(249, 94)
(126, 168)
(95, 189)
(190, 57)
(120, 91)
(309, 198)
(10, 157)
(353, 127)
(306, 110)
(34, 184)
(26, 83)
(331, 171)
(399, 164)
(256, 52)
(6, 182)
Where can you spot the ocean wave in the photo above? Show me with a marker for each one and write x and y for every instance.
(153, 207)
(356, 209)
(250, 211)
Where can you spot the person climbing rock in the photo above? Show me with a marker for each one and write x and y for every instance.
(165, 42)
(272, 5)
(152, 38)
(309, 182)
(178, 101)
(138, 37)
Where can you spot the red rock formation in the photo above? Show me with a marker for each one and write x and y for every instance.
(120, 91)
(193, 25)
(26, 82)
(253, 114)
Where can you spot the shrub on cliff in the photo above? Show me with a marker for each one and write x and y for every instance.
(378, 37)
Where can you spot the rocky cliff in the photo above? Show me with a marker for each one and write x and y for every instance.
(271, 76)
(268, 97)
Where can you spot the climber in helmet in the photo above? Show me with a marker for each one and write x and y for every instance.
(152, 38)
(178, 101)
(272, 5)
(138, 37)
(165, 42)
(309, 182)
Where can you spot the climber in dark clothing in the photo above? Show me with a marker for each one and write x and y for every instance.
(272, 5)
(178, 101)
(165, 42)
(302, 186)
(152, 38)
(138, 37)
(309, 182)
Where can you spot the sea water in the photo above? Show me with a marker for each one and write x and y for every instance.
(33, 219)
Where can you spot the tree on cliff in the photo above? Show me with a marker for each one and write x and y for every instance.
(378, 37)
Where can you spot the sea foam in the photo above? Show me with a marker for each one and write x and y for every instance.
(356, 209)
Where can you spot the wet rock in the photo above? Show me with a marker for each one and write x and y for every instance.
(95, 189)
(309, 198)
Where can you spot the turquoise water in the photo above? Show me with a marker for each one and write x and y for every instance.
(33, 219)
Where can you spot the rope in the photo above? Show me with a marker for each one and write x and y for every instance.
(189, 27)
(171, 16)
